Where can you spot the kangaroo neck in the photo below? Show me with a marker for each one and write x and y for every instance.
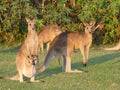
(31, 32)
(88, 34)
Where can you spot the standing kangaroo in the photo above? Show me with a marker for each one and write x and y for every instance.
(27, 56)
(64, 44)
(47, 34)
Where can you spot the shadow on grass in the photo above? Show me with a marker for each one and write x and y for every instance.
(98, 60)
(103, 58)
(93, 61)
(49, 72)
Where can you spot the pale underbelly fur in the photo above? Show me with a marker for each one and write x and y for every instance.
(29, 72)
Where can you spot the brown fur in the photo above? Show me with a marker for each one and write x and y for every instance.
(47, 34)
(27, 56)
(64, 44)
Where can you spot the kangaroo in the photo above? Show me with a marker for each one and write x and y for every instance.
(47, 34)
(64, 44)
(117, 47)
(27, 56)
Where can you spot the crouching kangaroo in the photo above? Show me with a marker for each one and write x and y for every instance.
(65, 43)
(27, 56)
(47, 34)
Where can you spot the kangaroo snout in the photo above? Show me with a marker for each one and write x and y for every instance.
(34, 28)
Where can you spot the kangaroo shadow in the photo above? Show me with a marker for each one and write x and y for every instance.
(92, 61)
(103, 58)
(98, 60)
(50, 72)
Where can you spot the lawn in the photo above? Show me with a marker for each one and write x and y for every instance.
(103, 72)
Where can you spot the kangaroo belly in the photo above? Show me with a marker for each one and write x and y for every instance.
(29, 72)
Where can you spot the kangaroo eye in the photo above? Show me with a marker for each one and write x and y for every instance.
(32, 55)
(30, 24)
(28, 56)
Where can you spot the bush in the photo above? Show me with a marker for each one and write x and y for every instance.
(67, 13)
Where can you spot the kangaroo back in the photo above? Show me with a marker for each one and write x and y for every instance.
(64, 44)
(47, 34)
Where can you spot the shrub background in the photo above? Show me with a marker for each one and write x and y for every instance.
(68, 14)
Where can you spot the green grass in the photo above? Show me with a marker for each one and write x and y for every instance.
(103, 72)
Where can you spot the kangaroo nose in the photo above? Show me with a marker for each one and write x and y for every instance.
(34, 28)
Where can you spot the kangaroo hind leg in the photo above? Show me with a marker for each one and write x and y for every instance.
(67, 66)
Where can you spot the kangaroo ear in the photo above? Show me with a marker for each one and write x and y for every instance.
(34, 19)
(97, 26)
(85, 23)
(27, 19)
(92, 23)
(28, 56)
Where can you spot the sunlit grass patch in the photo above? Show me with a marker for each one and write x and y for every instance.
(103, 72)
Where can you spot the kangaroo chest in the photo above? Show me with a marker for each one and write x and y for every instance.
(29, 71)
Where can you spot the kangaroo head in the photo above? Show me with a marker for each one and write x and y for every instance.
(90, 27)
(32, 59)
(31, 23)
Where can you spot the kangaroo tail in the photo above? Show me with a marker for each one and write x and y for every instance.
(117, 47)
(16, 77)
(41, 69)
(46, 62)
(113, 48)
